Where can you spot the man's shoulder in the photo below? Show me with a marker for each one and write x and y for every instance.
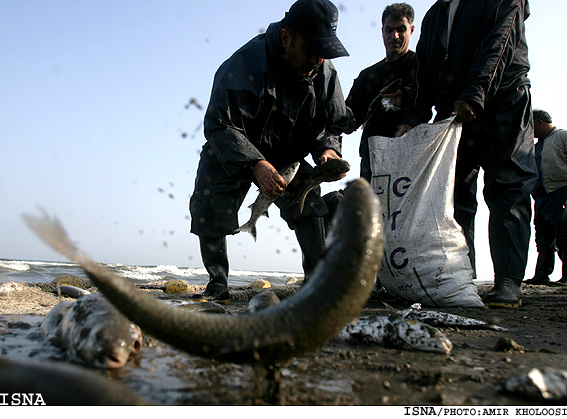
(373, 69)
(246, 65)
(407, 59)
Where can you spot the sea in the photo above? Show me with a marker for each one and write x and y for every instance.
(45, 271)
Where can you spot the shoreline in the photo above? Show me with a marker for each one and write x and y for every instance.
(338, 373)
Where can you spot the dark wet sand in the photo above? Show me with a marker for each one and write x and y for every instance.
(338, 373)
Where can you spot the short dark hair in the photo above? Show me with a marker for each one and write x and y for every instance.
(541, 115)
(398, 11)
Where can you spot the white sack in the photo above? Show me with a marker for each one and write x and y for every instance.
(426, 255)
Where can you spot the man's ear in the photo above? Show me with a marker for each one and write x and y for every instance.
(285, 37)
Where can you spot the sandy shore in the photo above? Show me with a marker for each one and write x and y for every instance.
(338, 373)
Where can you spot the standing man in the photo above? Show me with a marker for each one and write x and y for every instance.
(550, 196)
(273, 102)
(472, 60)
(397, 29)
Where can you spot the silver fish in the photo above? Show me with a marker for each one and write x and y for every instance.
(547, 384)
(70, 291)
(330, 171)
(439, 319)
(92, 332)
(397, 332)
(263, 202)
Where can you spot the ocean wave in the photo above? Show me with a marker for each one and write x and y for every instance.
(22, 270)
(157, 273)
(15, 265)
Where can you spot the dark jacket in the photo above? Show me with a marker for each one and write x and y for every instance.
(257, 114)
(365, 88)
(486, 56)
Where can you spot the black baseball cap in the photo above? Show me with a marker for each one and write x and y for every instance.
(316, 22)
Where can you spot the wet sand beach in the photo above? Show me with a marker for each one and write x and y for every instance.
(339, 373)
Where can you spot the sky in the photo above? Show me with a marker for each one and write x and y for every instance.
(102, 109)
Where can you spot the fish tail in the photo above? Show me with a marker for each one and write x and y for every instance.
(248, 228)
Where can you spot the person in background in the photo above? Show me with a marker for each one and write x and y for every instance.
(273, 102)
(472, 62)
(397, 29)
(550, 197)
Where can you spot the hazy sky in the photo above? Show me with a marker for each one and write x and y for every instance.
(97, 126)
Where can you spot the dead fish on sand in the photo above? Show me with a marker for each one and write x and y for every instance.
(394, 331)
(70, 291)
(439, 319)
(92, 332)
(263, 202)
(330, 171)
(547, 384)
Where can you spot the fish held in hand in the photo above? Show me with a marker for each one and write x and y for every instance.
(330, 171)
(263, 202)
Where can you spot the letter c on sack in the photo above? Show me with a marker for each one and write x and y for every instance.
(393, 258)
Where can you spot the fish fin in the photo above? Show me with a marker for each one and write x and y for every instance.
(265, 214)
(248, 228)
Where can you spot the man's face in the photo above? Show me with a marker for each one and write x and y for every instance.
(299, 58)
(396, 34)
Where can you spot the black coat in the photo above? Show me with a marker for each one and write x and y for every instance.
(486, 56)
(365, 88)
(257, 112)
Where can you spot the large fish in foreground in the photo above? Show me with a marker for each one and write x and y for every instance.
(263, 202)
(330, 171)
(92, 332)
(62, 384)
(339, 287)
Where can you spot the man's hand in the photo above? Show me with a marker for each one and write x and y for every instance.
(464, 111)
(328, 155)
(270, 181)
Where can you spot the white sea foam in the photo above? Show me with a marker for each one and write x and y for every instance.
(46, 271)
(15, 265)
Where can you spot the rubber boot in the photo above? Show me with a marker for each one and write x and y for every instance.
(310, 233)
(506, 293)
(544, 268)
(563, 257)
(213, 253)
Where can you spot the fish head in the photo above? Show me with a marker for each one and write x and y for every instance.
(98, 335)
(412, 334)
(289, 172)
